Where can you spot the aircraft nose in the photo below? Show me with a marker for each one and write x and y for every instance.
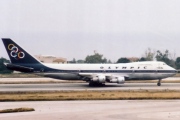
(176, 71)
(173, 69)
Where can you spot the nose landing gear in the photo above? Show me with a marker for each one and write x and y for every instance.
(159, 82)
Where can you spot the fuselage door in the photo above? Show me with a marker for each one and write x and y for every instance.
(158, 68)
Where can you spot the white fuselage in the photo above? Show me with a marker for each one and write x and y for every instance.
(136, 70)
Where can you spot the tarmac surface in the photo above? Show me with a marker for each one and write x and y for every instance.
(95, 110)
(81, 86)
(91, 110)
(51, 79)
(84, 86)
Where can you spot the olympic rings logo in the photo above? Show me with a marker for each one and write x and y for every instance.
(15, 52)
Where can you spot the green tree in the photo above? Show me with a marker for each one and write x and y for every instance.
(149, 54)
(80, 61)
(109, 61)
(3, 68)
(96, 58)
(72, 61)
(142, 59)
(177, 63)
(165, 57)
(123, 60)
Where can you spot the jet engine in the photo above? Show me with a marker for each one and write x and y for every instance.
(119, 80)
(100, 79)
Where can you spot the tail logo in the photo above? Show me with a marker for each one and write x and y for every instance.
(15, 52)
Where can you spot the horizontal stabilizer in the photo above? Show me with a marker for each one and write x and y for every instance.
(19, 68)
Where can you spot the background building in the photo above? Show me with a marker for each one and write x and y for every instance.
(133, 59)
(51, 59)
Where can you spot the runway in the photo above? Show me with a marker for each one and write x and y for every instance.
(84, 86)
(54, 80)
(95, 110)
(106, 109)
(79, 86)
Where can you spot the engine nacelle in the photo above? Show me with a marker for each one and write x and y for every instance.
(119, 80)
(100, 79)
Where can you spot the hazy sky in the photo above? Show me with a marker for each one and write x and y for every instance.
(75, 28)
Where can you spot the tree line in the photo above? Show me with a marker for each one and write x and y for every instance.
(149, 55)
(3, 68)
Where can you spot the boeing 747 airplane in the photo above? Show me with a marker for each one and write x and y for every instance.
(95, 74)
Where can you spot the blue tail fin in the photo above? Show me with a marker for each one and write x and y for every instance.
(17, 54)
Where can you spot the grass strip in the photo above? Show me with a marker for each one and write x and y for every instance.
(90, 95)
(17, 110)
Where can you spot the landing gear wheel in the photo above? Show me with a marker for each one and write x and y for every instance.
(158, 84)
(91, 84)
(94, 84)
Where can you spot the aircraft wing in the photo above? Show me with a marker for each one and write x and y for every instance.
(91, 75)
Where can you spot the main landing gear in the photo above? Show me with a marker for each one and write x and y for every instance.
(94, 84)
(159, 82)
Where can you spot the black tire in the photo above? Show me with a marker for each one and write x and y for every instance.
(158, 84)
(91, 84)
(96, 84)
